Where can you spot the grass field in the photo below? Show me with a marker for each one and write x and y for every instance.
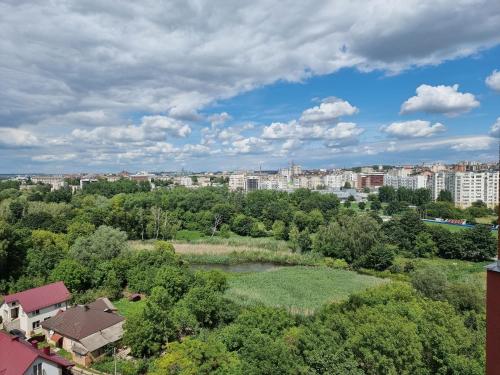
(299, 289)
(457, 228)
(127, 308)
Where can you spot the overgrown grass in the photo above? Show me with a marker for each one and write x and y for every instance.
(128, 308)
(267, 243)
(255, 256)
(301, 290)
(455, 270)
(123, 367)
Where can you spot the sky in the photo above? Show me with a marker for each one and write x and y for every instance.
(105, 86)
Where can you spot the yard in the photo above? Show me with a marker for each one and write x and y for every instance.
(299, 289)
(128, 308)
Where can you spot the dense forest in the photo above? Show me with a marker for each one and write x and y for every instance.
(430, 325)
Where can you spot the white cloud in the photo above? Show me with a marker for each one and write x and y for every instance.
(413, 129)
(18, 137)
(461, 144)
(155, 128)
(55, 157)
(219, 118)
(440, 99)
(343, 130)
(493, 80)
(495, 128)
(328, 111)
(249, 145)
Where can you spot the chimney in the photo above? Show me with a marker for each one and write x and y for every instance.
(46, 350)
(34, 344)
(493, 317)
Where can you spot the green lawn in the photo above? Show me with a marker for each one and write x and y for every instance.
(457, 228)
(300, 289)
(127, 308)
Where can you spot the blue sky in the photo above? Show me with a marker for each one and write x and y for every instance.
(97, 87)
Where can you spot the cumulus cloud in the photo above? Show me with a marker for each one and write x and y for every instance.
(249, 145)
(329, 110)
(413, 129)
(495, 128)
(463, 144)
(493, 80)
(440, 99)
(18, 137)
(155, 128)
(219, 118)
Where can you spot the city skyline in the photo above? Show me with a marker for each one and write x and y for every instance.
(134, 93)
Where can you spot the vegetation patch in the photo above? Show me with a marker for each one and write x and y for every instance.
(299, 289)
(128, 308)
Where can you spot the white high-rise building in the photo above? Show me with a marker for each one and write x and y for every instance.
(469, 187)
(237, 182)
(437, 183)
(409, 182)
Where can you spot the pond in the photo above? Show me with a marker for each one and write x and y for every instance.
(238, 268)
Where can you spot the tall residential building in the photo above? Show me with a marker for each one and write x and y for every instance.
(409, 182)
(469, 187)
(437, 183)
(237, 182)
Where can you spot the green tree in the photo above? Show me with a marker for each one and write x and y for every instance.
(104, 244)
(242, 225)
(380, 257)
(47, 249)
(424, 245)
(445, 196)
(293, 236)
(479, 244)
(304, 241)
(279, 230)
(194, 356)
(431, 282)
(387, 194)
(74, 275)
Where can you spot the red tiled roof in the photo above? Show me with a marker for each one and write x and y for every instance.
(38, 298)
(16, 356)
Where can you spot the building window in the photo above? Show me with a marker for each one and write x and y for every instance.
(37, 369)
(57, 305)
(36, 324)
(36, 312)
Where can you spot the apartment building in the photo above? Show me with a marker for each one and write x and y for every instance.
(409, 182)
(437, 183)
(469, 187)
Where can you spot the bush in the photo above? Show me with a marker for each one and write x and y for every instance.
(379, 258)
(431, 282)
(340, 264)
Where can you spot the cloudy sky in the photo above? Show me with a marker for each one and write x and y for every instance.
(220, 85)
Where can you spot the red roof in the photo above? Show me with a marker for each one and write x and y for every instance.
(38, 298)
(16, 356)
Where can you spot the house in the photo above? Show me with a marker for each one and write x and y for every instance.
(18, 357)
(85, 330)
(26, 310)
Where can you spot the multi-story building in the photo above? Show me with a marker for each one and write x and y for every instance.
(409, 182)
(469, 187)
(26, 310)
(237, 182)
(371, 180)
(56, 182)
(437, 183)
(252, 183)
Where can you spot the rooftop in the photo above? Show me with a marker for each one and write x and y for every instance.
(38, 298)
(81, 321)
(16, 356)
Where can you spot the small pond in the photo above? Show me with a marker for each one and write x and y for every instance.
(238, 268)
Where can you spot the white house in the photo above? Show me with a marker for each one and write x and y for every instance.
(18, 357)
(26, 310)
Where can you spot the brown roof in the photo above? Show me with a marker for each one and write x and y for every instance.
(81, 321)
